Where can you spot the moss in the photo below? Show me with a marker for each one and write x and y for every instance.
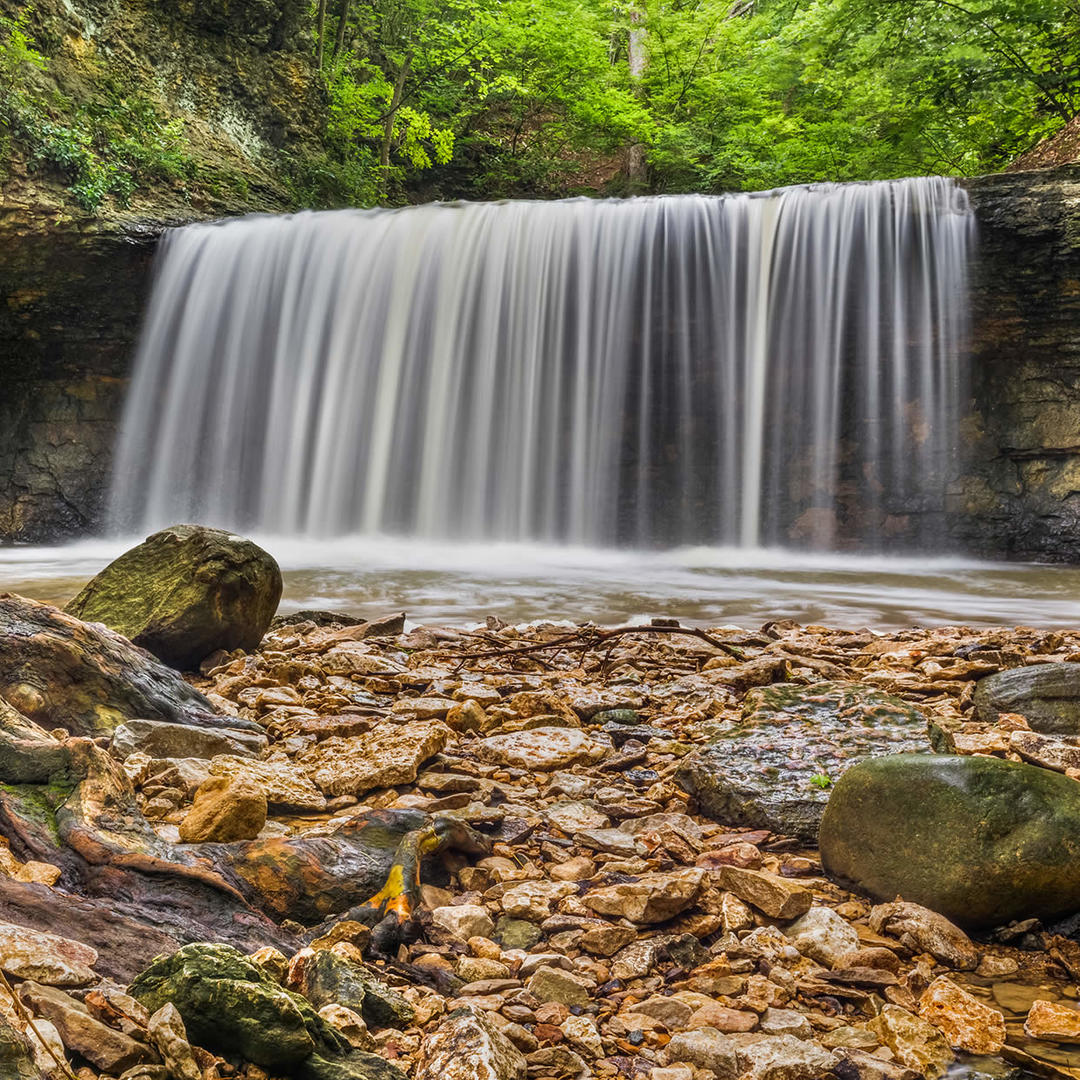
(38, 803)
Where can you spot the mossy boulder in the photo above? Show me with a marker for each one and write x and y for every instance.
(981, 840)
(327, 979)
(184, 593)
(232, 1006)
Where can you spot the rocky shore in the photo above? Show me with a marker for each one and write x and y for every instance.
(372, 850)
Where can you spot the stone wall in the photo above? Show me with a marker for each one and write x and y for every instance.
(73, 293)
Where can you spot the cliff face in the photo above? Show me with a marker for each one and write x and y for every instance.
(74, 290)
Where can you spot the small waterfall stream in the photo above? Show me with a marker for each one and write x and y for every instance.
(747, 370)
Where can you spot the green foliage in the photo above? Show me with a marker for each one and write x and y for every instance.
(821, 780)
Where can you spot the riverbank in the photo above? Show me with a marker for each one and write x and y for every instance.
(591, 920)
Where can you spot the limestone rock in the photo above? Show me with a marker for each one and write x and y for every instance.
(391, 754)
(913, 1041)
(184, 593)
(167, 1033)
(45, 958)
(468, 1046)
(350, 1024)
(533, 899)
(1053, 1022)
(785, 1057)
(225, 809)
(776, 896)
(968, 1023)
(1046, 751)
(706, 1048)
(824, 936)
(652, 898)
(1046, 695)
(16, 1055)
(286, 787)
(581, 1033)
(551, 984)
(981, 840)
(325, 978)
(110, 1050)
(162, 740)
(543, 749)
(925, 931)
(760, 773)
(464, 921)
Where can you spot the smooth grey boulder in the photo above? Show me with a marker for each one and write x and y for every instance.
(164, 740)
(184, 593)
(774, 769)
(980, 840)
(1046, 695)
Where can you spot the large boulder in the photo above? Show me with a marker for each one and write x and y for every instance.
(184, 593)
(774, 769)
(981, 840)
(231, 1005)
(1046, 695)
(60, 672)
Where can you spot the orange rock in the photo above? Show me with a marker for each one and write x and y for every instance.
(968, 1024)
(1053, 1022)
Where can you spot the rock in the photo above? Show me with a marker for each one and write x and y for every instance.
(225, 809)
(1045, 751)
(856, 1064)
(162, 740)
(167, 1033)
(652, 898)
(390, 754)
(60, 672)
(516, 933)
(572, 817)
(16, 1054)
(1046, 695)
(606, 940)
(45, 958)
(824, 936)
(464, 921)
(231, 1005)
(722, 1018)
(609, 841)
(533, 899)
(581, 1033)
(1053, 1022)
(706, 1048)
(110, 1050)
(543, 749)
(777, 897)
(670, 1011)
(285, 786)
(980, 840)
(184, 593)
(967, 1023)
(350, 1024)
(761, 773)
(785, 1057)
(325, 978)
(913, 1042)
(551, 984)
(924, 931)
(468, 1046)
(786, 1022)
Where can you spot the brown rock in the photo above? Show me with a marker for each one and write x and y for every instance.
(968, 1024)
(225, 809)
(914, 1043)
(652, 898)
(769, 893)
(1053, 1022)
(922, 930)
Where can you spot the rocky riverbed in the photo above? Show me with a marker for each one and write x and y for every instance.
(371, 850)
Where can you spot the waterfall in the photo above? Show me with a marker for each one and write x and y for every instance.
(775, 368)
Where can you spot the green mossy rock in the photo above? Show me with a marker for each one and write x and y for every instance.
(185, 592)
(980, 840)
(328, 980)
(16, 1057)
(1046, 695)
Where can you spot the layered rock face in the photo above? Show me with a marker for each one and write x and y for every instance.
(73, 294)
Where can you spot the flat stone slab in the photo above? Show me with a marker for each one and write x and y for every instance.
(774, 770)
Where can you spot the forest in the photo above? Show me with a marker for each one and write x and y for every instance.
(548, 98)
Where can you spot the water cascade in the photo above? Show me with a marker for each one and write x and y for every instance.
(780, 368)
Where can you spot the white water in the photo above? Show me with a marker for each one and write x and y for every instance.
(744, 370)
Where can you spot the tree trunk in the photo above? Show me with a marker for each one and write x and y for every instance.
(388, 122)
(635, 157)
(343, 23)
(320, 30)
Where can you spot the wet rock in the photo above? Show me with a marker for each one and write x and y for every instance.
(184, 593)
(467, 1046)
(966, 1022)
(785, 1057)
(110, 1050)
(516, 933)
(45, 958)
(390, 754)
(762, 772)
(981, 840)
(1053, 1022)
(464, 921)
(707, 1049)
(60, 672)
(777, 897)
(285, 786)
(162, 740)
(913, 1042)
(924, 931)
(543, 749)
(1046, 695)
(824, 936)
(1045, 751)
(225, 809)
(856, 1064)
(651, 898)
(324, 978)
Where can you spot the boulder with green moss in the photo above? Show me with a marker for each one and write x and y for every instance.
(184, 593)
